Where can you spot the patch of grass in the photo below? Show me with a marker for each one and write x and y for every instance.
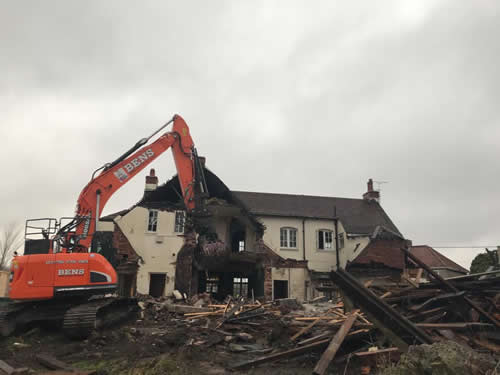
(108, 366)
(151, 366)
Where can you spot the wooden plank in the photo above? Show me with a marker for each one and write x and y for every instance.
(304, 330)
(360, 316)
(426, 313)
(323, 336)
(329, 335)
(51, 362)
(419, 276)
(374, 358)
(281, 355)
(201, 314)
(488, 345)
(410, 281)
(310, 318)
(386, 294)
(454, 325)
(377, 352)
(334, 345)
(227, 306)
(368, 283)
(6, 368)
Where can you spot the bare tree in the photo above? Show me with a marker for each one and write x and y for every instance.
(11, 240)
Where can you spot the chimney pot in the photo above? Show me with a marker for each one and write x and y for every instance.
(371, 195)
(151, 181)
(370, 185)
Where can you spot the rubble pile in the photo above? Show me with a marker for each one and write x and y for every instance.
(252, 333)
(464, 309)
(366, 331)
(201, 335)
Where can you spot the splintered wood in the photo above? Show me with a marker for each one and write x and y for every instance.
(334, 345)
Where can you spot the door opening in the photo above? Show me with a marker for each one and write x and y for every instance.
(157, 284)
(280, 289)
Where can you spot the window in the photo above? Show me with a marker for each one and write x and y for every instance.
(212, 284)
(288, 238)
(325, 239)
(241, 246)
(180, 218)
(240, 286)
(152, 221)
(341, 240)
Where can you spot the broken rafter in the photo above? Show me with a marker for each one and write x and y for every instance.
(304, 330)
(450, 287)
(281, 355)
(334, 345)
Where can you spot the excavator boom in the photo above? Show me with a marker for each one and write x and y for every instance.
(96, 194)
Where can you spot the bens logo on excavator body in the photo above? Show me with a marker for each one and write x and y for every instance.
(71, 272)
(122, 173)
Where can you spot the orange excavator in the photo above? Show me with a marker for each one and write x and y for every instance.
(59, 278)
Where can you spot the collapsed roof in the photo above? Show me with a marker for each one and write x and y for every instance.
(168, 196)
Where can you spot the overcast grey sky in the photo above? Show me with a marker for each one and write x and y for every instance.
(303, 97)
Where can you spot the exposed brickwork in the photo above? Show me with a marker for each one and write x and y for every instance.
(268, 284)
(270, 259)
(123, 246)
(186, 276)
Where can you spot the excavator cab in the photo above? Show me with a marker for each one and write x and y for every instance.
(38, 234)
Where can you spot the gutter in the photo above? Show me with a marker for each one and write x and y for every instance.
(335, 221)
(304, 239)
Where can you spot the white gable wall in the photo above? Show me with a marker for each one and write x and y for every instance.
(158, 256)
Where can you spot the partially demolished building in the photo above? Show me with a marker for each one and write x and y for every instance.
(265, 245)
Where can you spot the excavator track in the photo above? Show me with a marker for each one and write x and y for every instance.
(80, 321)
(7, 324)
(79, 318)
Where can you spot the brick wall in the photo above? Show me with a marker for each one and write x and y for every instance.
(123, 246)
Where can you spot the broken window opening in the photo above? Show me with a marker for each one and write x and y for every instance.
(212, 284)
(240, 286)
(325, 239)
(180, 219)
(238, 235)
(153, 221)
(288, 238)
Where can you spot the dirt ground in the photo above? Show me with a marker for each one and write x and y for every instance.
(163, 344)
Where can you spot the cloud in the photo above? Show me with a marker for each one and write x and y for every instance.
(311, 99)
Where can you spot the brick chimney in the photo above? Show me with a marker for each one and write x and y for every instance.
(151, 181)
(371, 195)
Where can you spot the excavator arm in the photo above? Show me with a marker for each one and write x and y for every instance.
(77, 235)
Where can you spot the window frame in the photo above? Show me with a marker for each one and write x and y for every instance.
(287, 242)
(342, 239)
(212, 284)
(323, 233)
(240, 283)
(152, 225)
(176, 223)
